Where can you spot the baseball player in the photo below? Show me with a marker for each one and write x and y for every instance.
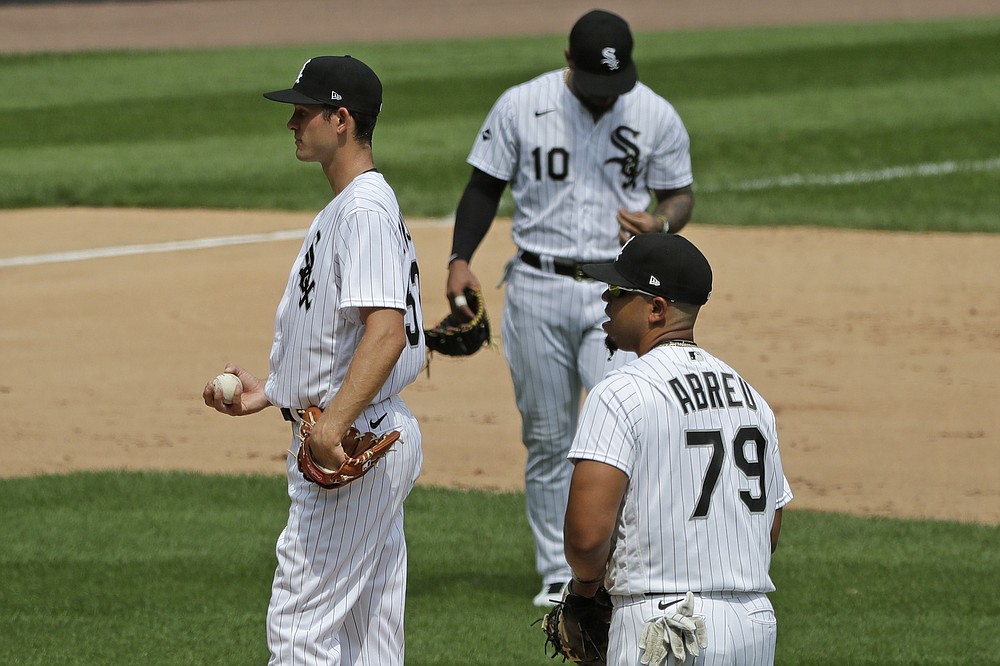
(582, 148)
(677, 485)
(348, 338)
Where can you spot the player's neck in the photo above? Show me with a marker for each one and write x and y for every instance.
(596, 112)
(672, 338)
(348, 166)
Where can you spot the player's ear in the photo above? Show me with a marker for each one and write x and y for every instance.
(343, 119)
(658, 312)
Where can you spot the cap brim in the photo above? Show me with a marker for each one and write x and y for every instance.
(606, 273)
(604, 85)
(290, 96)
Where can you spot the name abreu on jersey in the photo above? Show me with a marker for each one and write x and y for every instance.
(710, 389)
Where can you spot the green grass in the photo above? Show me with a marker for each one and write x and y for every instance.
(115, 568)
(190, 128)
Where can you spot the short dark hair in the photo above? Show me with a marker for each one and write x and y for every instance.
(364, 123)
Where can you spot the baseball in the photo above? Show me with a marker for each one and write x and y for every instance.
(228, 383)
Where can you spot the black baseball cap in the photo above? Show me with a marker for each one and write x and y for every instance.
(600, 46)
(337, 81)
(664, 265)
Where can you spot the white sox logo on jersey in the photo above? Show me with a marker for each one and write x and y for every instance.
(306, 281)
(629, 162)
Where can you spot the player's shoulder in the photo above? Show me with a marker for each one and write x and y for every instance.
(544, 80)
(730, 376)
(370, 190)
(646, 99)
(623, 380)
(543, 85)
(370, 197)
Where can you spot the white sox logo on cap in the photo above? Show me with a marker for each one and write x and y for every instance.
(337, 81)
(609, 58)
(302, 71)
(664, 265)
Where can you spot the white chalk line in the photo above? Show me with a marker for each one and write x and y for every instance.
(856, 177)
(794, 180)
(172, 246)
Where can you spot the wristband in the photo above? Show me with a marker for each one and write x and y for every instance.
(581, 581)
(662, 219)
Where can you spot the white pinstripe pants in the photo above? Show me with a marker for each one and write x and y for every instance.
(742, 629)
(339, 590)
(554, 346)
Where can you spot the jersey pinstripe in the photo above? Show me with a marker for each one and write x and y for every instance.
(570, 175)
(357, 253)
(700, 448)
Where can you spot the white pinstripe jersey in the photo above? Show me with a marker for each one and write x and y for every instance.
(700, 448)
(357, 253)
(569, 175)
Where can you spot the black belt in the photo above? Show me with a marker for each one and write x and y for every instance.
(289, 415)
(559, 266)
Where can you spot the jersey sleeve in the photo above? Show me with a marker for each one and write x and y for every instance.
(783, 489)
(372, 260)
(670, 163)
(495, 149)
(605, 432)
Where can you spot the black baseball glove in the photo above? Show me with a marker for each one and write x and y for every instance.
(453, 337)
(577, 628)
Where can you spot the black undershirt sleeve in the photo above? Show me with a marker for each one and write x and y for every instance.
(475, 213)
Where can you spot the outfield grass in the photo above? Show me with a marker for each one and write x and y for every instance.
(114, 568)
(190, 128)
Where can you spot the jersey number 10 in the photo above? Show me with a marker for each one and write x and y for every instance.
(556, 163)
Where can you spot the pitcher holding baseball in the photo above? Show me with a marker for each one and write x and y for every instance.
(348, 338)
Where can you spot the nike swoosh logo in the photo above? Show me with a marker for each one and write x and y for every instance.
(542, 113)
(374, 424)
(663, 605)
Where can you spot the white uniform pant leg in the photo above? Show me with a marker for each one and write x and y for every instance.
(555, 348)
(742, 629)
(338, 594)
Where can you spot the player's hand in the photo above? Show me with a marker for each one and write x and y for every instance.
(460, 278)
(634, 222)
(325, 439)
(248, 398)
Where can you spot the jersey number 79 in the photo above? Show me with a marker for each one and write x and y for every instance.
(752, 469)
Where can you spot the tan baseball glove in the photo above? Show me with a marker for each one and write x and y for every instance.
(364, 451)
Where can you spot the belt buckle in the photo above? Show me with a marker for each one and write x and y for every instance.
(292, 415)
(578, 273)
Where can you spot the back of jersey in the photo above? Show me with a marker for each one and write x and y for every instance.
(700, 447)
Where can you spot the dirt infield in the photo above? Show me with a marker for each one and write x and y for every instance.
(199, 23)
(880, 352)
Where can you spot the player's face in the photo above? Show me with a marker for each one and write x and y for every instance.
(315, 136)
(628, 314)
(596, 105)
